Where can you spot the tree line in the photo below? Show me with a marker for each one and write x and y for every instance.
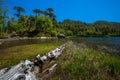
(44, 23)
(98, 28)
(40, 24)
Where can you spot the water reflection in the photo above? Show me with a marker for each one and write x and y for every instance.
(108, 44)
(12, 43)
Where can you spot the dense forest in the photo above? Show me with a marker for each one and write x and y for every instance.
(44, 23)
(98, 28)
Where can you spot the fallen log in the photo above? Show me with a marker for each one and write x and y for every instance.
(48, 72)
(27, 70)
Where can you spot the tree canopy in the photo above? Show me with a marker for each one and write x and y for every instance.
(44, 23)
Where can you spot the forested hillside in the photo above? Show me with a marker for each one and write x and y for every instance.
(98, 28)
(44, 23)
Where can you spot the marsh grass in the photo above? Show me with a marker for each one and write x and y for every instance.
(14, 55)
(78, 63)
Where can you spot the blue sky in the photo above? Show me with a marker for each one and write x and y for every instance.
(83, 10)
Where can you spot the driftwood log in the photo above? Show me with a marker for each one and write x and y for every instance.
(45, 75)
(27, 70)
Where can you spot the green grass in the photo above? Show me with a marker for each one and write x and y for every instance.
(80, 63)
(14, 55)
(76, 62)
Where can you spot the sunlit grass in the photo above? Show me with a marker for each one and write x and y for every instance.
(14, 55)
(79, 63)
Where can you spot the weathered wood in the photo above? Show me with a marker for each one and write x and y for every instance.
(48, 72)
(24, 69)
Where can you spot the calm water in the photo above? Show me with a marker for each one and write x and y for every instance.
(12, 43)
(108, 44)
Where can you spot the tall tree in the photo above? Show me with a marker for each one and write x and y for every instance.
(19, 10)
(45, 13)
(10, 25)
(50, 13)
(3, 15)
(1, 19)
(52, 16)
(37, 12)
(50, 10)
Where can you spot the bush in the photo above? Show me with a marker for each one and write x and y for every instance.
(69, 33)
(54, 33)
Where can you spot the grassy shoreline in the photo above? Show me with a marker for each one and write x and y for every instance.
(77, 62)
(13, 55)
(82, 63)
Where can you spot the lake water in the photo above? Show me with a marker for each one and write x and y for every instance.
(12, 43)
(108, 44)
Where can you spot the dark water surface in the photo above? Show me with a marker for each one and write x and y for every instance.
(12, 43)
(108, 44)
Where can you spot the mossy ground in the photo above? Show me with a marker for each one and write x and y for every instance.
(80, 63)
